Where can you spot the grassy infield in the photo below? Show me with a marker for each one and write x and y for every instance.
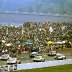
(63, 68)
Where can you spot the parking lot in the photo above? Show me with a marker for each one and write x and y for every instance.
(25, 58)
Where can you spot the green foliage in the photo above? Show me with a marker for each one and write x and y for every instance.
(39, 6)
(51, 6)
(26, 24)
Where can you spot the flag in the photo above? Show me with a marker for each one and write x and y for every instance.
(51, 29)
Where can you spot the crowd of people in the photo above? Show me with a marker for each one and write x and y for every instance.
(35, 32)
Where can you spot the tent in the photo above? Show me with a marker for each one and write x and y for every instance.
(8, 44)
(58, 42)
(64, 41)
(28, 43)
(50, 42)
(3, 41)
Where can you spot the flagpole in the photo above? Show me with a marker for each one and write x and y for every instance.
(22, 29)
(7, 30)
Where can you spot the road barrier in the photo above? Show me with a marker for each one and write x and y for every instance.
(43, 64)
(6, 68)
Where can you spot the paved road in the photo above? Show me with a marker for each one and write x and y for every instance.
(24, 57)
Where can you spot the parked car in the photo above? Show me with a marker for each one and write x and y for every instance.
(13, 61)
(33, 54)
(59, 57)
(4, 57)
(38, 59)
(52, 53)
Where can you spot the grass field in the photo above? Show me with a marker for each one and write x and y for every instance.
(61, 68)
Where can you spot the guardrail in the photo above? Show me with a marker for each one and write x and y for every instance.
(43, 64)
(25, 66)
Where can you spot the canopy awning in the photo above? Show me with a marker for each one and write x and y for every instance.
(28, 43)
(8, 44)
(58, 42)
(3, 41)
(50, 42)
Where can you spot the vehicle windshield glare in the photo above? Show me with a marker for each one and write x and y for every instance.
(38, 56)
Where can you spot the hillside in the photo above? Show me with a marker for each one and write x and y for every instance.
(39, 6)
